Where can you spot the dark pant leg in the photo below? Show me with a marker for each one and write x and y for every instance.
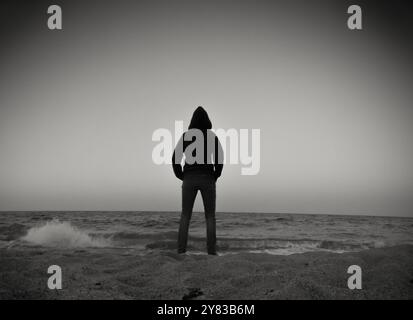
(208, 192)
(189, 192)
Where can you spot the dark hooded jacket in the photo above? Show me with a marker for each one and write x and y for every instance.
(212, 162)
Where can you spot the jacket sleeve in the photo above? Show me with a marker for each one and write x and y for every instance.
(177, 159)
(218, 158)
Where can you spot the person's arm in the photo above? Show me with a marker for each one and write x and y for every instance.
(218, 159)
(177, 159)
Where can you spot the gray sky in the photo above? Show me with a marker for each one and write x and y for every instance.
(78, 107)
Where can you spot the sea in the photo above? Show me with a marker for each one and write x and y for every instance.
(147, 232)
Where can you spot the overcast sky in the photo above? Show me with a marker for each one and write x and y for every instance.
(78, 106)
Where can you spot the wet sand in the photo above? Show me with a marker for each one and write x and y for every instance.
(387, 273)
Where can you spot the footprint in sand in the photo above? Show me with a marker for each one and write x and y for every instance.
(193, 293)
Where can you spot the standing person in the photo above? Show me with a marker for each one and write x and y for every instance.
(203, 166)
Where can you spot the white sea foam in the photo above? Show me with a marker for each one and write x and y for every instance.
(62, 234)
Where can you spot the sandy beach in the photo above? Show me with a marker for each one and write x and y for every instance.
(110, 273)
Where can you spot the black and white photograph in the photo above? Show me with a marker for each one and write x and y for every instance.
(214, 150)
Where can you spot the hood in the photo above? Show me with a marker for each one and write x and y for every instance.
(200, 120)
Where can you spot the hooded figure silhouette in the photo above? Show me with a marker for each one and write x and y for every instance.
(203, 166)
(200, 120)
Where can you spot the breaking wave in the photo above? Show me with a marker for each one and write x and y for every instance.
(62, 234)
(55, 233)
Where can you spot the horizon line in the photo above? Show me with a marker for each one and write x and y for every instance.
(242, 212)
